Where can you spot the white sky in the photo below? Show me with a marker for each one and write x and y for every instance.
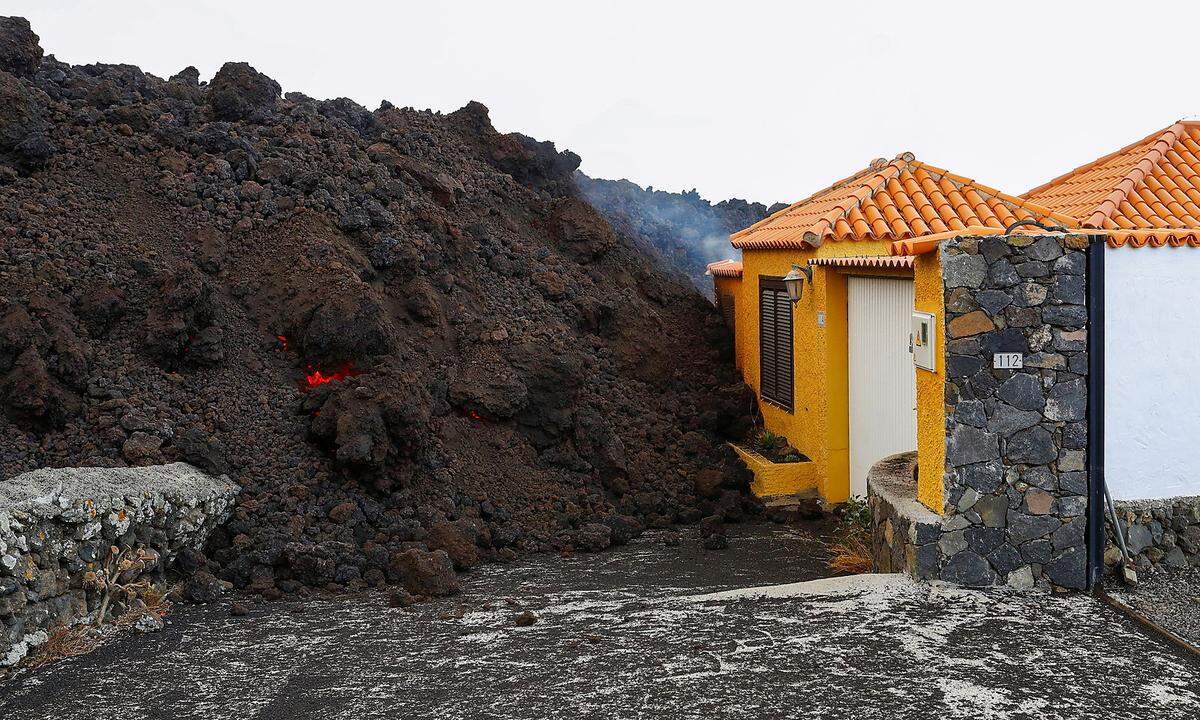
(768, 101)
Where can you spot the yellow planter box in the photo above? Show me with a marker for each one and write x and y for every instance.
(772, 479)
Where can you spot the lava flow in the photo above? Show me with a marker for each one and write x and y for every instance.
(314, 378)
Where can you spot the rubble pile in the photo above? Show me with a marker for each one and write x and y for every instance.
(405, 335)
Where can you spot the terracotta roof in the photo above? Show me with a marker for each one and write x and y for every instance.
(874, 261)
(1151, 187)
(1153, 238)
(725, 268)
(922, 245)
(890, 200)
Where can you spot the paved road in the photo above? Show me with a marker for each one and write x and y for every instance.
(643, 632)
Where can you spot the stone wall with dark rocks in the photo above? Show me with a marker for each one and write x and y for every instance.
(1160, 534)
(57, 526)
(904, 532)
(1015, 478)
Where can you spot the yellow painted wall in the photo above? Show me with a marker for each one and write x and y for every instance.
(819, 424)
(931, 386)
(725, 285)
(731, 287)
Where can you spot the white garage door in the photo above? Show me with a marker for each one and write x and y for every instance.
(883, 393)
(1151, 358)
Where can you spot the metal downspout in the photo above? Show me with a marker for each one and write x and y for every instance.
(1095, 414)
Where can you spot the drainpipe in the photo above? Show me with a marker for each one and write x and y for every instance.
(1095, 416)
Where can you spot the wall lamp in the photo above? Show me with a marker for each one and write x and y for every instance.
(794, 281)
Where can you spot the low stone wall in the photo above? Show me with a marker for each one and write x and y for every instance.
(57, 526)
(1158, 533)
(904, 532)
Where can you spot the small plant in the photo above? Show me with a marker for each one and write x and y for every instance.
(856, 515)
(115, 578)
(851, 554)
(767, 441)
(63, 642)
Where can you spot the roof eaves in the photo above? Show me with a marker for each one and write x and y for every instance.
(1159, 237)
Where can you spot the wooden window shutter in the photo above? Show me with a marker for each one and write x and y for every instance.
(775, 342)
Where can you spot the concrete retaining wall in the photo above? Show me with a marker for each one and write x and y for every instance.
(56, 526)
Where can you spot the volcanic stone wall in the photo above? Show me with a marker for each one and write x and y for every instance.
(1158, 533)
(57, 528)
(1016, 481)
(1015, 478)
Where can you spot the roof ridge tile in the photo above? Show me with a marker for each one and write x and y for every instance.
(823, 225)
(899, 199)
(1135, 177)
(823, 191)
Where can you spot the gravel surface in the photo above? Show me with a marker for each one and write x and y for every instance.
(646, 631)
(1170, 598)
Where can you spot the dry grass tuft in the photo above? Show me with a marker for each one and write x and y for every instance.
(69, 641)
(63, 642)
(851, 556)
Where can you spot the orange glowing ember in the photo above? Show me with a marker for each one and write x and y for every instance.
(314, 378)
(474, 415)
(283, 343)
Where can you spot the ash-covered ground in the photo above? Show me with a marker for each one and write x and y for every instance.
(644, 631)
(1170, 598)
(401, 332)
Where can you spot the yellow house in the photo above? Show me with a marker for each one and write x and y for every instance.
(838, 372)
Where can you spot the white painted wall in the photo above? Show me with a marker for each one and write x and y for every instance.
(1152, 372)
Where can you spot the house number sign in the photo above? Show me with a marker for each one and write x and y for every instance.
(1008, 361)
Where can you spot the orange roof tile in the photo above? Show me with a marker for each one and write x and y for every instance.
(894, 200)
(928, 243)
(1151, 185)
(725, 268)
(1153, 238)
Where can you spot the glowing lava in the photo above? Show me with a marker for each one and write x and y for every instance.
(315, 378)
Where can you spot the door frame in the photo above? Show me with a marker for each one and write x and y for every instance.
(847, 330)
